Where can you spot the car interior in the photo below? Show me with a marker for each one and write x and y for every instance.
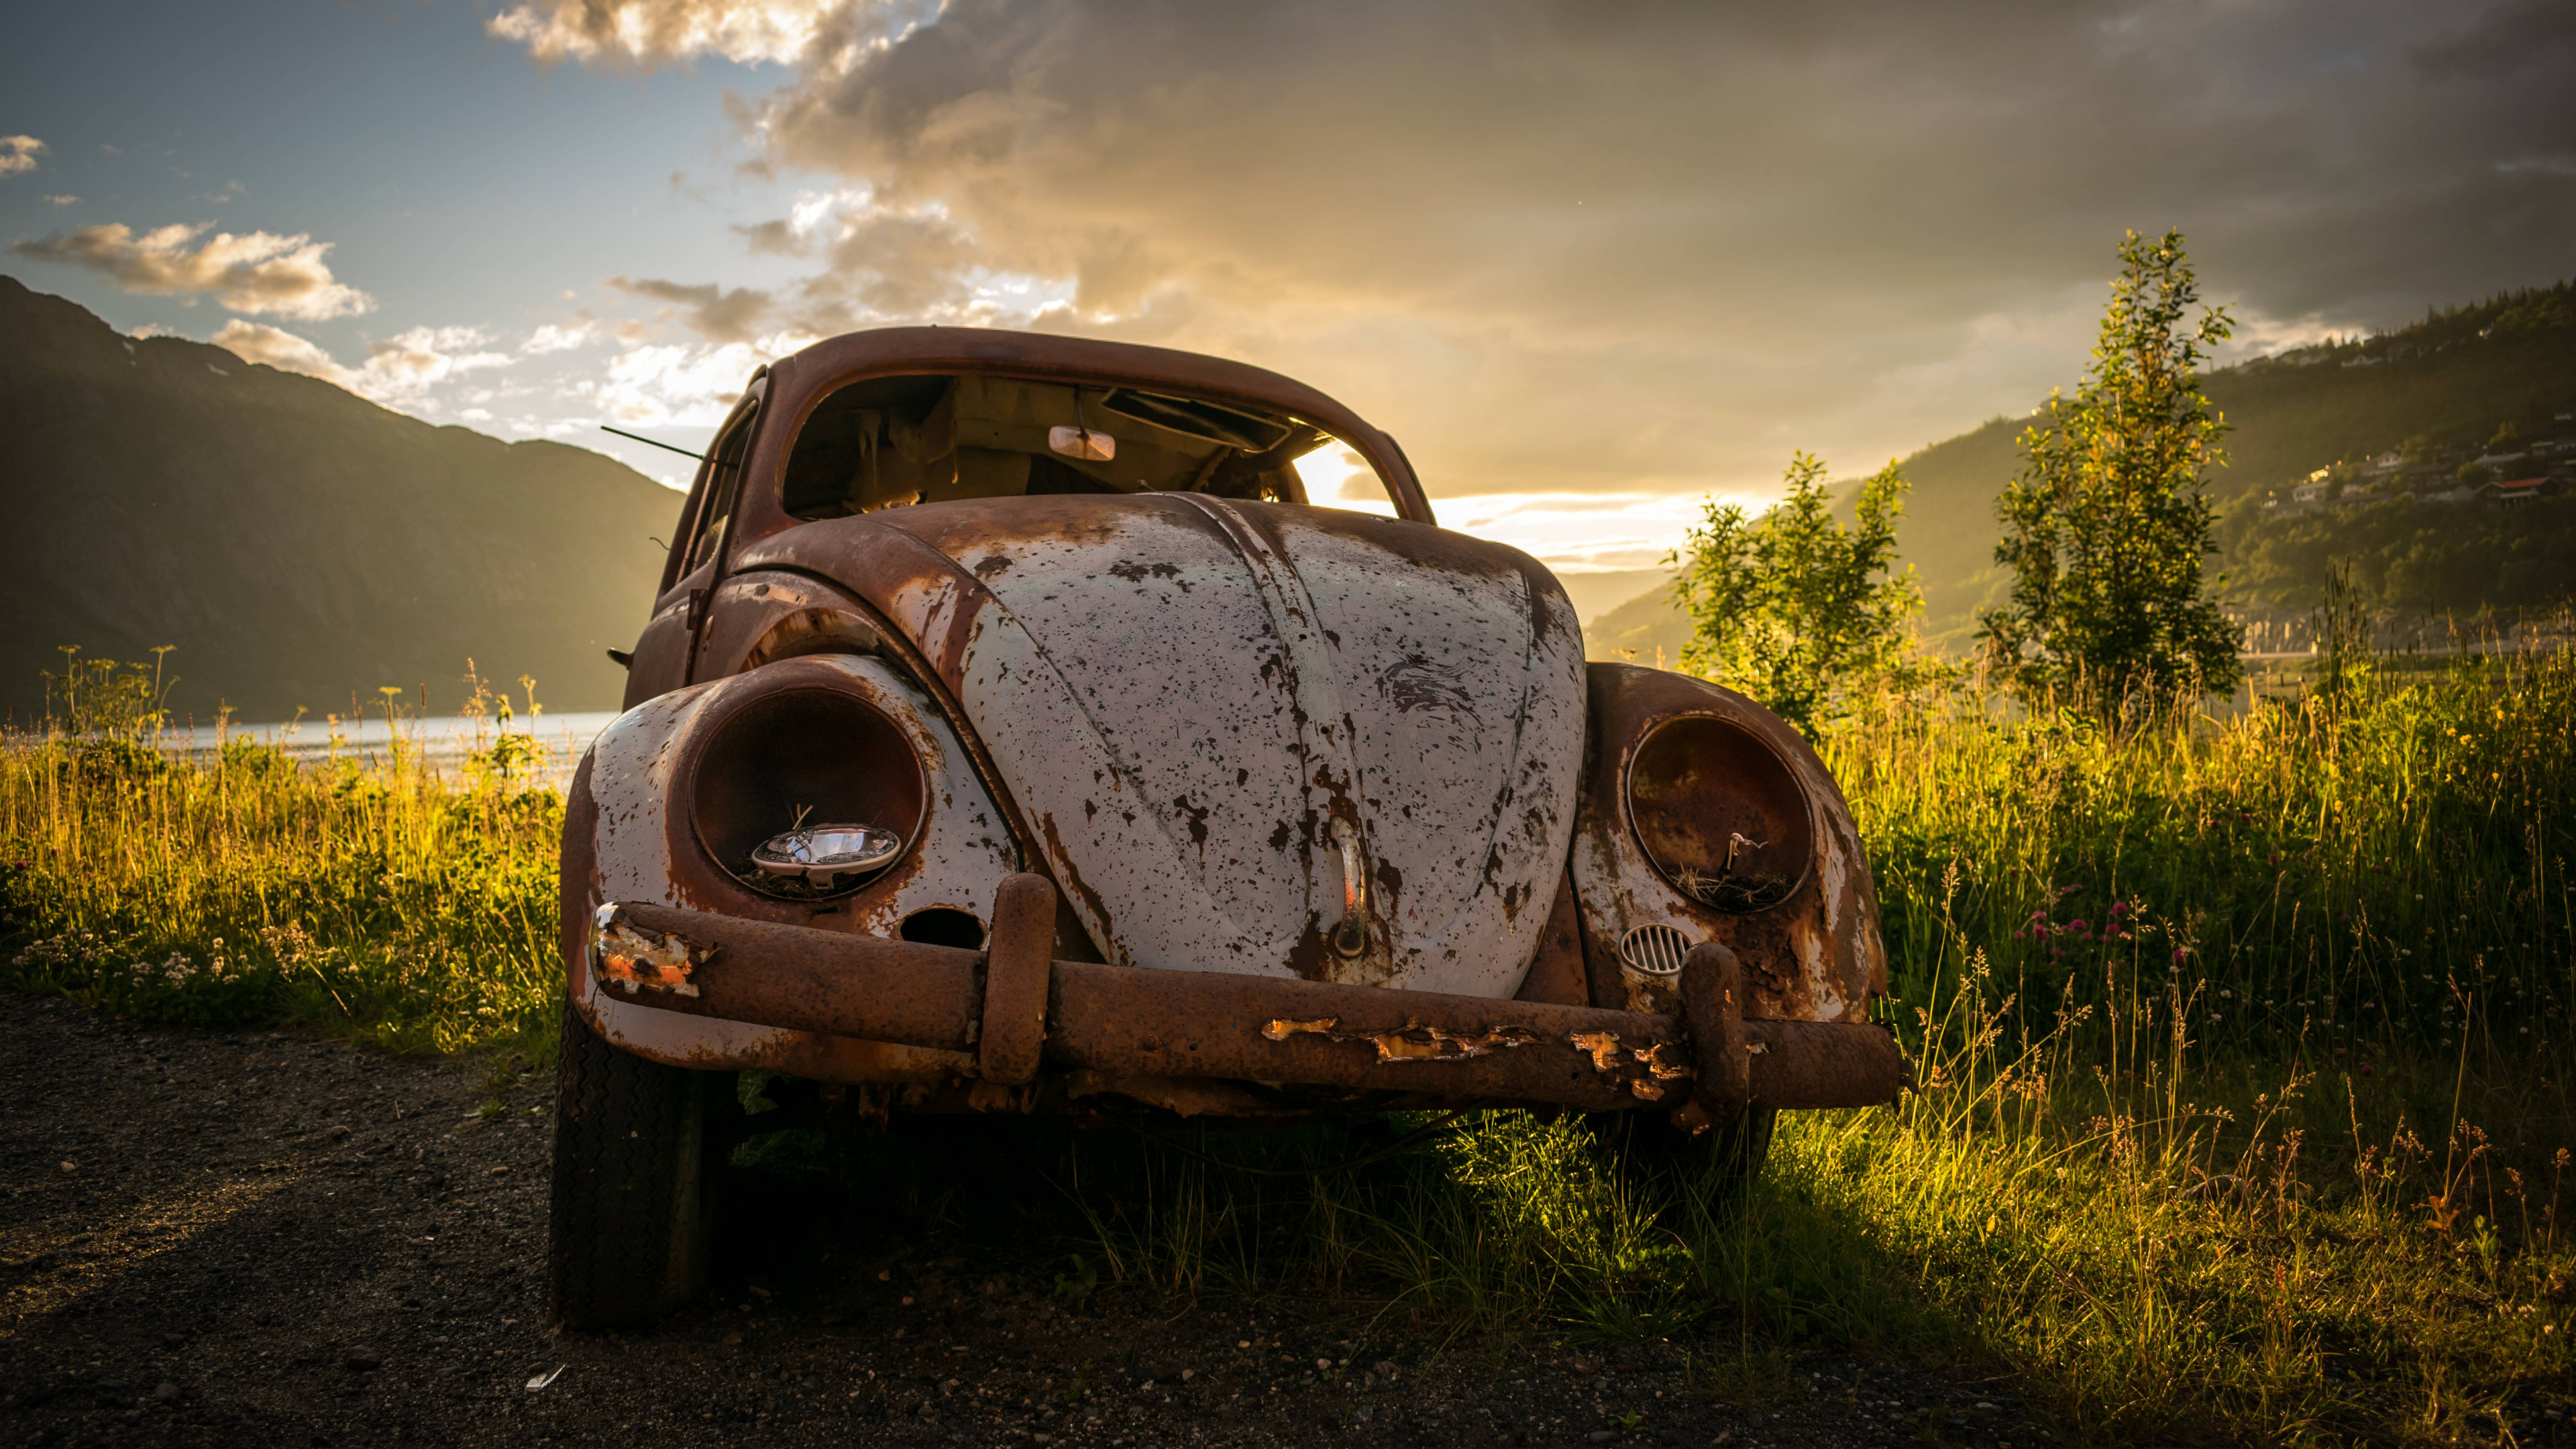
(889, 442)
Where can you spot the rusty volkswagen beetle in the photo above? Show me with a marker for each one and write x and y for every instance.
(1012, 734)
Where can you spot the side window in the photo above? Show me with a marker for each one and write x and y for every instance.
(724, 485)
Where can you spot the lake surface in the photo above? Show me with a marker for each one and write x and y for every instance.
(444, 741)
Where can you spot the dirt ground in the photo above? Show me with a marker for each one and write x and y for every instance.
(251, 1238)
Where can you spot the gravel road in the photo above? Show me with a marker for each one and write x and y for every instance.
(251, 1238)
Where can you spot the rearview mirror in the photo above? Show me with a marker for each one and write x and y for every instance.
(1083, 443)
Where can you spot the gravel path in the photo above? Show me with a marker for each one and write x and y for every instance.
(229, 1238)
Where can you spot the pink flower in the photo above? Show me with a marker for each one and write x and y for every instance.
(2075, 925)
(2119, 908)
(2179, 953)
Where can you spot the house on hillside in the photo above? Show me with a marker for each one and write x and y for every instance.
(2312, 491)
(2521, 490)
(2388, 462)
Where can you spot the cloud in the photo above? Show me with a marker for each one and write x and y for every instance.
(256, 272)
(63, 200)
(710, 310)
(2499, 41)
(283, 350)
(402, 370)
(551, 337)
(683, 384)
(653, 32)
(1565, 247)
(18, 154)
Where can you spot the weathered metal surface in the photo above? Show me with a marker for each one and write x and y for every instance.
(1556, 974)
(631, 957)
(1411, 1042)
(1015, 979)
(639, 846)
(1713, 1008)
(806, 980)
(1815, 955)
(1185, 694)
(1127, 1023)
(766, 615)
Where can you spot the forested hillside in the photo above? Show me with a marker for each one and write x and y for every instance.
(300, 545)
(2440, 392)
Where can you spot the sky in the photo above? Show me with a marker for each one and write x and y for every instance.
(1592, 263)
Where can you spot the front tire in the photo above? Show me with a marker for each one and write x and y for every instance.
(630, 1229)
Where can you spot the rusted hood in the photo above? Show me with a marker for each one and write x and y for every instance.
(1183, 693)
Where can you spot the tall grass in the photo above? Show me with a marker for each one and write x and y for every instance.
(2242, 1042)
(382, 900)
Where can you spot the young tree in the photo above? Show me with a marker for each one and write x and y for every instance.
(1791, 608)
(2106, 523)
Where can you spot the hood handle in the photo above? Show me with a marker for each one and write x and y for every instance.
(1350, 938)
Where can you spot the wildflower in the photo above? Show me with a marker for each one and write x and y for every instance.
(2180, 953)
(2119, 909)
(2068, 890)
(2365, 1069)
(2075, 925)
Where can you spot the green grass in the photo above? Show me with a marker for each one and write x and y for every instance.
(388, 903)
(2243, 1045)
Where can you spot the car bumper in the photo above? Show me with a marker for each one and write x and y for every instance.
(1019, 1013)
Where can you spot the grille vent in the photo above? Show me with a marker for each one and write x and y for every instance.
(1656, 950)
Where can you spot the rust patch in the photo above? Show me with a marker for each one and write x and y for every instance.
(1601, 1046)
(1604, 1048)
(636, 956)
(1411, 1042)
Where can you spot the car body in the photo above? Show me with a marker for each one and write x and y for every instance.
(1205, 799)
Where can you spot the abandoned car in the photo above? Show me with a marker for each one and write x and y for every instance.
(1012, 734)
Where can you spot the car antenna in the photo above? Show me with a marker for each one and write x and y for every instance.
(648, 442)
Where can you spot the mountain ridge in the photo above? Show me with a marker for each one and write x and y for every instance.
(2450, 377)
(300, 546)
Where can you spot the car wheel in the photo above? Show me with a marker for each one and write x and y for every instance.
(1723, 1162)
(629, 1231)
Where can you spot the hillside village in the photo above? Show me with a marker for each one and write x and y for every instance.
(2509, 468)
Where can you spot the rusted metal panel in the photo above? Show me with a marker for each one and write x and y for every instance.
(824, 982)
(1184, 694)
(1557, 973)
(1815, 955)
(1713, 1009)
(641, 848)
(1016, 965)
(766, 615)
(1132, 1023)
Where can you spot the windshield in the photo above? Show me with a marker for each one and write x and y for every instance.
(890, 442)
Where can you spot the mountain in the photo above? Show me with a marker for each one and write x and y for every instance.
(300, 545)
(2438, 392)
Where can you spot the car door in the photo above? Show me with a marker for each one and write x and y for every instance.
(666, 648)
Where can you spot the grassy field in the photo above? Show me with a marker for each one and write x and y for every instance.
(2243, 1043)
